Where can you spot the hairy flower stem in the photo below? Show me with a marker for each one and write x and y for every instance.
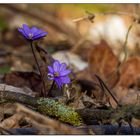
(41, 75)
(49, 92)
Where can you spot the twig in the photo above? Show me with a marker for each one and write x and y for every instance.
(45, 106)
(18, 97)
(104, 85)
(110, 115)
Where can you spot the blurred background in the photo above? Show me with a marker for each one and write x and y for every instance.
(73, 29)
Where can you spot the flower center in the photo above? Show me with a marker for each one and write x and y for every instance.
(56, 74)
(30, 35)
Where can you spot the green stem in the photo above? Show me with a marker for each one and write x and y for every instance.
(41, 75)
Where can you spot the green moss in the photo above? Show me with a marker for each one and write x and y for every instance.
(63, 113)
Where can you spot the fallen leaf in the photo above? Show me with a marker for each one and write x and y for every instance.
(130, 72)
(103, 62)
(12, 122)
(24, 79)
(25, 90)
(125, 96)
(81, 75)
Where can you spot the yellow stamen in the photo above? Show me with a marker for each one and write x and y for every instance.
(56, 74)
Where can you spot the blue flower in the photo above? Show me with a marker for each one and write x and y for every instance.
(31, 33)
(59, 73)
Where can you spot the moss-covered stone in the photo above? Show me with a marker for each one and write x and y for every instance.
(63, 113)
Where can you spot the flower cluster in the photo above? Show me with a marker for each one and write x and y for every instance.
(59, 73)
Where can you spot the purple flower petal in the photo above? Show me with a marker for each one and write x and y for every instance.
(39, 35)
(23, 32)
(56, 66)
(39, 31)
(65, 72)
(58, 82)
(26, 29)
(34, 30)
(63, 67)
(50, 69)
(65, 79)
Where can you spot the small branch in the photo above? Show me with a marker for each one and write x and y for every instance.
(104, 85)
(18, 97)
(110, 115)
(45, 106)
(68, 115)
(58, 126)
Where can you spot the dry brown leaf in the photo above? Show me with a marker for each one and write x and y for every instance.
(102, 62)
(24, 79)
(130, 72)
(12, 122)
(4, 87)
(84, 75)
(8, 108)
(125, 96)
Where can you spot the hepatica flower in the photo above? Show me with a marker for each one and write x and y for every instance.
(59, 73)
(33, 33)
